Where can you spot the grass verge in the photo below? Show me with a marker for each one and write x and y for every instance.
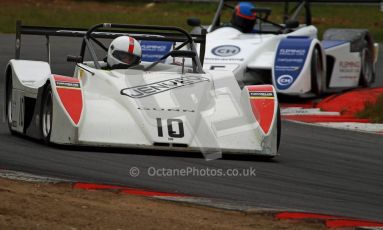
(76, 13)
(373, 111)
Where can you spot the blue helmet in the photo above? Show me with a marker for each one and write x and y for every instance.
(243, 17)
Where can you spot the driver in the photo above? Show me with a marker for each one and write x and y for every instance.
(124, 52)
(243, 17)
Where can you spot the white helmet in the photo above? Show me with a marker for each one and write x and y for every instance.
(124, 52)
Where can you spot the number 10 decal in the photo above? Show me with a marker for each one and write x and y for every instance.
(172, 131)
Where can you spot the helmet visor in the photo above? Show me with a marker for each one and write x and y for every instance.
(126, 57)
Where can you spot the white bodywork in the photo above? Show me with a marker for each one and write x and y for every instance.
(128, 108)
(346, 71)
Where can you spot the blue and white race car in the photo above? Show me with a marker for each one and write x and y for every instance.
(288, 55)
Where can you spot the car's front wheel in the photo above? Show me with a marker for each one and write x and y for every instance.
(8, 107)
(317, 73)
(46, 114)
(279, 128)
(366, 73)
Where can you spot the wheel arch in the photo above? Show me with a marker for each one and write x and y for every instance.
(322, 53)
(67, 105)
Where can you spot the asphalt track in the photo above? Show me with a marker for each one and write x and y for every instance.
(320, 169)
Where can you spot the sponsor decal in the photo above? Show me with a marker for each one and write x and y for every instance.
(226, 50)
(292, 52)
(285, 80)
(167, 110)
(154, 50)
(265, 95)
(225, 59)
(64, 84)
(290, 59)
(161, 86)
(349, 66)
(287, 68)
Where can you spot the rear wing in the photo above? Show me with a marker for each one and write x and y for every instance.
(139, 32)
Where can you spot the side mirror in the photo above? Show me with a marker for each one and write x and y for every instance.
(193, 22)
(291, 24)
(76, 59)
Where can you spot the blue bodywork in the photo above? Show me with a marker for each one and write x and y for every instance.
(290, 58)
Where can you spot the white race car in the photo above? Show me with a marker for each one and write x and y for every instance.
(152, 105)
(288, 55)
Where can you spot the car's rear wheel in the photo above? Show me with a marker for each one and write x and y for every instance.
(46, 114)
(8, 108)
(366, 73)
(317, 73)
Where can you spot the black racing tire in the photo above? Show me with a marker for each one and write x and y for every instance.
(8, 101)
(367, 71)
(318, 80)
(46, 114)
(279, 127)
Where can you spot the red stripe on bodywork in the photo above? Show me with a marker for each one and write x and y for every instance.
(124, 189)
(131, 45)
(71, 98)
(263, 109)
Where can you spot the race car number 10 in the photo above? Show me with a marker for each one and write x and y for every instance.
(175, 128)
